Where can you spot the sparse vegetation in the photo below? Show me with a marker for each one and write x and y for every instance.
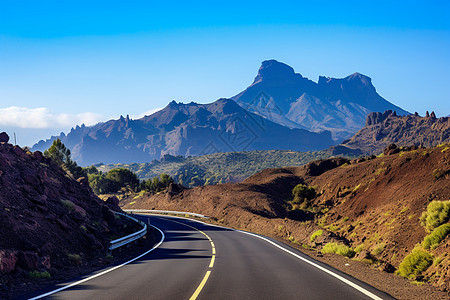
(338, 249)
(378, 249)
(69, 205)
(303, 195)
(74, 259)
(437, 213)
(219, 167)
(436, 236)
(439, 173)
(415, 263)
(316, 234)
(39, 275)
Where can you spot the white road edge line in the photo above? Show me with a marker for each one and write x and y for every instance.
(337, 276)
(104, 272)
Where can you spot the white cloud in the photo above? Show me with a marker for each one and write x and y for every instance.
(42, 117)
(147, 113)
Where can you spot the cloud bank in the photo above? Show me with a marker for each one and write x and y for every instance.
(42, 117)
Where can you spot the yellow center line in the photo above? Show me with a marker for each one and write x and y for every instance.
(211, 264)
(200, 287)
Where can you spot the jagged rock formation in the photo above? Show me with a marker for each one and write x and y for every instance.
(184, 129)
(338, 105)
(383, 129)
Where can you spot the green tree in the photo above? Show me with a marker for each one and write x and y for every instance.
(60, 154)
(124, 177)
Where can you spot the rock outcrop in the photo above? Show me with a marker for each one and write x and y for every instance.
(384, 129)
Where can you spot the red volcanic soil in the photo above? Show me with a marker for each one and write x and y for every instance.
(49, 221)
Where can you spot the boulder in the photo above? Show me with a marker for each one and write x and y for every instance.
(4, 137)
(44, 263)
(8, 261)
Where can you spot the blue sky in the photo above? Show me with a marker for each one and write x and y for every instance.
(63, 64)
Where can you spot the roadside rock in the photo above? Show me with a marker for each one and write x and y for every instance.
(8, 261)
(4, 138)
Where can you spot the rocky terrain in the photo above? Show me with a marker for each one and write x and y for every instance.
(184, 129)
(383, 129)
(339, 105)
(50, 222)
(371, 205)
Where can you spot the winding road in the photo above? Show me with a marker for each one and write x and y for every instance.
(200, 261)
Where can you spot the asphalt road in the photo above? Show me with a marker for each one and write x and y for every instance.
(208, 262)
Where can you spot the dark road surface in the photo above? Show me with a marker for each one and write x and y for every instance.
(208, 262)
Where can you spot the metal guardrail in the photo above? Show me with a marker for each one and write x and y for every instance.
(165, 212)
(129, 238)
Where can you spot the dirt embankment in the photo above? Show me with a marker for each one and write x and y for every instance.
(372, 205)
(50, 223)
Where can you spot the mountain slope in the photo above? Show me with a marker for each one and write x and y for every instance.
(49, 221)
(338, 105)
(184, 129)
(383, 129)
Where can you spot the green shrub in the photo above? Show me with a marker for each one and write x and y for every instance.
(439, 173)
(436, 236)
(338, 249)
(379, 248)
(316, 234)
(74, 259)
(437, 213)
(303, 194)
(415, 263)
(37, 274)
(68, 204)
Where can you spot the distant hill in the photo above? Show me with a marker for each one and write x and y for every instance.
(383, 129)
(184, 129)
(338, 105)
(218, 167)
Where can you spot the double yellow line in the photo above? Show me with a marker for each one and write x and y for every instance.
(211, 264)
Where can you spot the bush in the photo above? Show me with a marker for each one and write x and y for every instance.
(437, 213)
(436, 236)
(338, 249)
(302, 195)
(74, 259)
(415, 263)
(316, 234)
(37, 274)
(69, 205)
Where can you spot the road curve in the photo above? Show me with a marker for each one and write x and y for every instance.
(201, 261)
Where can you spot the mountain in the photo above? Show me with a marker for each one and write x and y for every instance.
(383, 129)
(184, 129)
(371, 205)
(338, 105)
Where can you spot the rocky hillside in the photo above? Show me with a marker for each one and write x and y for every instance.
(370, 206)
(383, 129)
(49, 221)
(184, 129)
(339, 105)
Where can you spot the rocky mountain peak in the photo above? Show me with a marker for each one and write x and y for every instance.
(275, 70)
